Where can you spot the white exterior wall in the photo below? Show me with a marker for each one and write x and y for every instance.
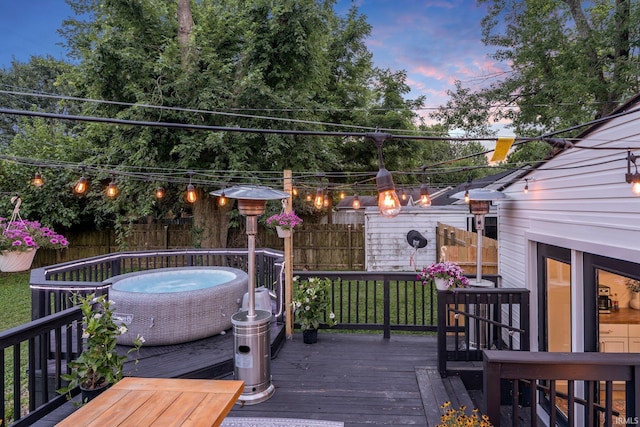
(578, 200)
(386, 246)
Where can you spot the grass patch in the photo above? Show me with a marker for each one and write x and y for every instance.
(15, 299)
(15, 310)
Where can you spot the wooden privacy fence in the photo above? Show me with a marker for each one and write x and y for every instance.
(316, 246)
(461, 246)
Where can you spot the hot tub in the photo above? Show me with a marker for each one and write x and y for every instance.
(176, 305)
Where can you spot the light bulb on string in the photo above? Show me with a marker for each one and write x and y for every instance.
(82, 185)
(191, 195)
(37, 180)
(222, 200)
(308, 197)
(159, 193)
(355, 203)
(425, 199)
(388, 202)
(112, 189)
(318, 201)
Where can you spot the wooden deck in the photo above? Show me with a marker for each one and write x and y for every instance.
(360, 379)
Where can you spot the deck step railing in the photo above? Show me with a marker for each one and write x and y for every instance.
(473, 319)
(572, 389)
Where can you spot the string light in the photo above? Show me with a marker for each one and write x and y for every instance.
(318, 201)
(112, 189)
(355, 203)
(388, 202)
(160, 193)
(222, 200)
(37, 180)
(526, 185)
(82, 185)
(191, 191)
(425, 200)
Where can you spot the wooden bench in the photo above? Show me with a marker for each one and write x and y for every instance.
(436, 390)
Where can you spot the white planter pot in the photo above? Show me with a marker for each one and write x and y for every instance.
(13, 261)
(282, 232)
(441, 284)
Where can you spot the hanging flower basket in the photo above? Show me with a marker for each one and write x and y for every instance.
(284, 222)
(14, 261)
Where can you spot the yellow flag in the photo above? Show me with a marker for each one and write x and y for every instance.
(502, 148)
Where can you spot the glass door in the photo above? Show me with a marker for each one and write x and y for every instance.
(554, 315)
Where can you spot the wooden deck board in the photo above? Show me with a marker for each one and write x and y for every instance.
(360, 379)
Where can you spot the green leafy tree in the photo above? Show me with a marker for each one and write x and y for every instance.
(569, 61)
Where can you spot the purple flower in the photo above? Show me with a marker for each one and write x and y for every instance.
(286, 220)
(22, 235)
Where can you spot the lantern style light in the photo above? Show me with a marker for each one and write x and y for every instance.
(633, 178)
(37, 180)
(112, 189)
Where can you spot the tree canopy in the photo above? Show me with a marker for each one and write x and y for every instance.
(570, 62)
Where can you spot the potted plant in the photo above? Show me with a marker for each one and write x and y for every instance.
(19, 240)
(99, 365)
(445, 275)
(310, 304)
(634, 287)
(284, 222)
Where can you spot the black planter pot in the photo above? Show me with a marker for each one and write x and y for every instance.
(310, 336)
(89, 394)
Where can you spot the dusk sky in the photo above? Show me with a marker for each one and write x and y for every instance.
(436, 42)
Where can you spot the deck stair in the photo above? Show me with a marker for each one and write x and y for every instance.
(435, 390)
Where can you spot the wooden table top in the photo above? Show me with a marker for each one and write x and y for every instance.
(159, 402)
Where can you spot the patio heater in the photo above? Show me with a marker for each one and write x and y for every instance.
(479, 200)
(479, 203)
(251, 328)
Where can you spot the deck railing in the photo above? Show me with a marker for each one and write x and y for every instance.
(575, 389)
(473, 319)
(394, 301)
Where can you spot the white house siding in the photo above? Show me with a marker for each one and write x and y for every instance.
(578, 200)
(386, 246)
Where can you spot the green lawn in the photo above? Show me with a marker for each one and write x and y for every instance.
(15, 309)
(15, 299)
